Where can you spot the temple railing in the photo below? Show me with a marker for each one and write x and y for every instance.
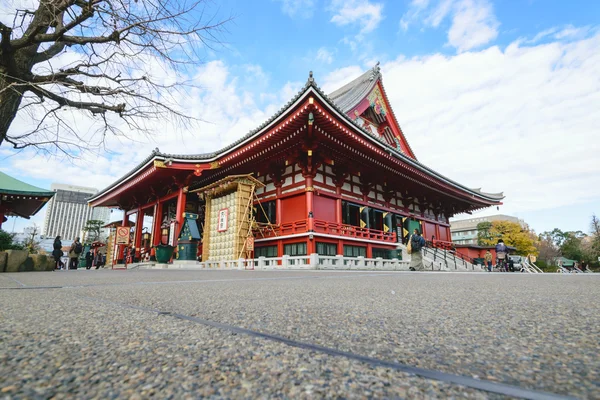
(449, 247)
(330, 228)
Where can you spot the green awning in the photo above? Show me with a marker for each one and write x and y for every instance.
(21, 199)
(10, 185)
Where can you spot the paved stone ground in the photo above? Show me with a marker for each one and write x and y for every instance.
(77, 336)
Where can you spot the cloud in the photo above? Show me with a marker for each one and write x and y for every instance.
(297, 8)
(340, 77)
(473, 25)
(324, 55)
(522, 120)
(473, 22)
(363, 13)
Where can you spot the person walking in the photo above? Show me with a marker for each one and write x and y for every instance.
(417, 242)
(74, 252)
(57, 253)
(488, 260)
(99, 261)
(89, 258)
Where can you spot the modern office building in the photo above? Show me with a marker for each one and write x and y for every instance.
(68, 211)
(464, 231)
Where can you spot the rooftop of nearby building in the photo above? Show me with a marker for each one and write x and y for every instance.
(471, 223)
(73, 188)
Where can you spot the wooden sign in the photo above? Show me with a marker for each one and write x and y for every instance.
(223, 220)
(122, 236)
(532, 259)
(250, 244)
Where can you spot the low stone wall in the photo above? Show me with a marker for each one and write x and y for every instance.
(15, 261)
(22, 261)
(3, 260)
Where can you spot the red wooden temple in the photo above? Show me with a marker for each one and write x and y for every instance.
(340, 179)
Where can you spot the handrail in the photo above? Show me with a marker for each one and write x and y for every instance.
(332, 228)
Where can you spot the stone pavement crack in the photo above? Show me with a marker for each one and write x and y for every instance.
(487, 386)
(16, 281)
(90, 285)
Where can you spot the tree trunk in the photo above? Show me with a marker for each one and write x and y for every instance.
(10, 99)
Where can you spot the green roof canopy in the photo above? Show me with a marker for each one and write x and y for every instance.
(20, 198)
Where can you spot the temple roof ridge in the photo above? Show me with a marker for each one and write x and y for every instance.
(354, 91)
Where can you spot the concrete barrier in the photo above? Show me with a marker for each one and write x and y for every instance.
(16, 260)
(42, 262)
(3, 260)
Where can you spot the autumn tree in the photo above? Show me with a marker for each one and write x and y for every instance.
(595, 242)
(548, 250)
(513, 235)
(119, 62)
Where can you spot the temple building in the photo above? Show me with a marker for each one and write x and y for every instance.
(330, 174)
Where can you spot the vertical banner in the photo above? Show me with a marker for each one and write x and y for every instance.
(172, 233)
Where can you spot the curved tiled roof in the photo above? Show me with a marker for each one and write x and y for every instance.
(10, 185)
(353, 92)
(346, 94)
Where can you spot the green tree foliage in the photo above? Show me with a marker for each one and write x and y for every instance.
(513, 235)
(483, 233)
(6, 241)
(93, 228)
(575, 245)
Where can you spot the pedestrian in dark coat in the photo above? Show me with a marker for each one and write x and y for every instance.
(57, 253)
(89, 257)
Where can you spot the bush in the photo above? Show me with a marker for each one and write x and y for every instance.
(6, 241)
(546, 267)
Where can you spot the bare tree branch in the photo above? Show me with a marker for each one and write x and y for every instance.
(116, 43)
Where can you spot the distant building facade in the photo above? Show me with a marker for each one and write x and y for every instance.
(465, 231)
(68, 211)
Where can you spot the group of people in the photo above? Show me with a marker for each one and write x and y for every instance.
(74, 253)
(503, 261)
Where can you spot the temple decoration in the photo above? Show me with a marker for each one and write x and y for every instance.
(189, 237)
(377, 102)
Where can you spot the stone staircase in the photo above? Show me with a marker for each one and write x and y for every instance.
(436, 259)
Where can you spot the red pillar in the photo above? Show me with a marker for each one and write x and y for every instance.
(1, 217)
(156, 223)
(139, 225)
(181, 200)
(310, 248)
(340, 247)
(277, 206)
(369, 251)
(338, 205)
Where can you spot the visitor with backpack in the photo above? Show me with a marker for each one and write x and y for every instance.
(74, 253)
(415, 244)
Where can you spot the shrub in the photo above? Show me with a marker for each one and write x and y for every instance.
(6, 241)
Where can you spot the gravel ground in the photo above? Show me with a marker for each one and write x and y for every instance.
(533, 331)
(63, 346)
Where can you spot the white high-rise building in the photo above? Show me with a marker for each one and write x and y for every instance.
(68, 211)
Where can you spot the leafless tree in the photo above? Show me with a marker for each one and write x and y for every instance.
(97, 57)
(595, 226)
